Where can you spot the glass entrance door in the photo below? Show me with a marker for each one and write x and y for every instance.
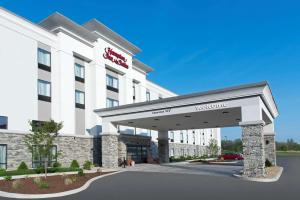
(137, 153)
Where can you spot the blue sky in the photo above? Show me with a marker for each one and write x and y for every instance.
(202, 45)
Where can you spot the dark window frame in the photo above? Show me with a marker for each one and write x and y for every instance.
(5, 127)
(50, 163)
(113, 100)
(111, 87)
(80, 105)
(5, 156)
(78, 78)
(42, 66)
(43, 97)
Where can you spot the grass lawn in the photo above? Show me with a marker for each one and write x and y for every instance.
(288, 153)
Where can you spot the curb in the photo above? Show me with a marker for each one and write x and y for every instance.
(59, 194)
(263, 180)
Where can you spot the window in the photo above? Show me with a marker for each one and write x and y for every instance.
(38, 160)
(181, 137)
(79, 99)
(172, 136)
(187, 137)
(148, 96)
(194, 138)
(133, 92)
(44, 90)
(182, 152)
(3, 156)
(79, 72)
(44, 59)
(112, 83)
(3, 122)
(172, 152)
(111, 103)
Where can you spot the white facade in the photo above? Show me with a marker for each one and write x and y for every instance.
(70, 43)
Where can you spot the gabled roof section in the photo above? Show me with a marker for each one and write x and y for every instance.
(56, 21)
(142, 66)
(101, 30)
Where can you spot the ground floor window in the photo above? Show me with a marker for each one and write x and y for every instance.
(3, 156)
(137, 153)
(3, 122)
(38, 159)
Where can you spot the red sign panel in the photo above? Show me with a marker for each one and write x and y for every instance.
(115, 57)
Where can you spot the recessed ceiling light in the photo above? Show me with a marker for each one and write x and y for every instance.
(237, 119)
(130, 122)
(177, 124)
(188, 116)
(153, 126)
(225, 112)
(156, 119)
(205, 122)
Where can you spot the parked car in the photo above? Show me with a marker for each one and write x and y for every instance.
(232, 156)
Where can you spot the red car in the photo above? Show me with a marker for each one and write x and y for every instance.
(232, 156)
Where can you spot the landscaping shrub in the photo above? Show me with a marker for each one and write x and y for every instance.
(268, 163)
(43, 185)
(80, 172)
(22, 167)
(36, 171)
(37, 180)
(87, 165)
(74, 164)
(16, 184)
(56, 165)
(7, 178)
(68, 181)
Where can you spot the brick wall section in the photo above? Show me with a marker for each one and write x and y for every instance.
(253, 150)
(80, 148)
(270, 148)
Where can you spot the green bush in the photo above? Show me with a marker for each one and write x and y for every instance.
(74, 164)
(7, 178)
(37, 171)
(22, 167)
(87, 165)
(268, 163)
(56, 165)
(43, 185)
(80, 172)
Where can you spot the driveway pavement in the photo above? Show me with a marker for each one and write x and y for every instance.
(155, 185)
(188, 168)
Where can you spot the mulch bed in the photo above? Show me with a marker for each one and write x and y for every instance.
(56, 184)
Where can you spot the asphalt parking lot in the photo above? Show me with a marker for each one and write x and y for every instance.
(154, 185)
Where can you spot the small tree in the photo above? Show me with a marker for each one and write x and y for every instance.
(213, 147)
(42, 137)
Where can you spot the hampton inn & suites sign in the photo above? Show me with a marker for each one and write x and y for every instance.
(115, 57)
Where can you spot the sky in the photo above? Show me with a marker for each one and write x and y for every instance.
(202, 45)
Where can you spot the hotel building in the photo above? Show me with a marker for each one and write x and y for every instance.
(58, 69)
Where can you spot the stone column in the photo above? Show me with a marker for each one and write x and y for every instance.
(253, 149)
(270, 148)
(163, 146)
(109, 150)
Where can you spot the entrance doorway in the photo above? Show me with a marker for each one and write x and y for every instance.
(138, 153)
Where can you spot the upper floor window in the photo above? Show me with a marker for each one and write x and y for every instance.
(112, 83)
(133, 91)
(194, 137)
(79, 72)
(187, 137)
(44, 59)
(181, 137)
(111, 103)
(44, 90)
(3, 122)
(79, 99)
(3, 156)
(148, 96)
(172, 136)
